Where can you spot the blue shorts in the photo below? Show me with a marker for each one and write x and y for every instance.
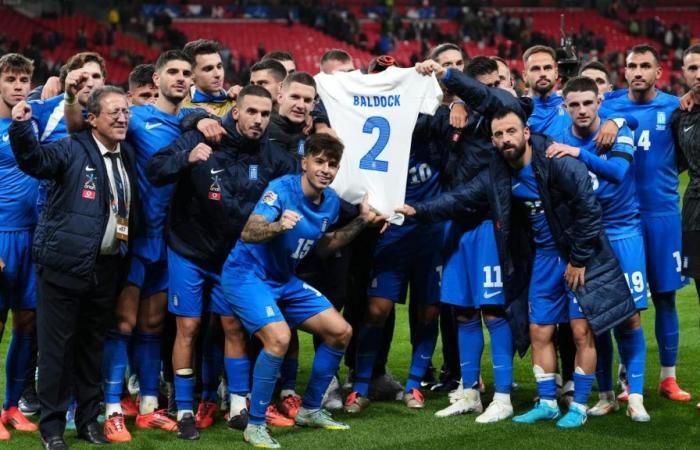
(188, 283)
(662, 239)
(259, 302)
(471, 277)
(150, 277)
(551, 301)
(630, 254)
(413, 254)
(18, 280)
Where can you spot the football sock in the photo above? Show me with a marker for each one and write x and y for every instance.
(604, 352)
(288, 373)
(583, 383)
(470, 338)
(184, 391)
(147, 353)
(212, 365)
(502, 354)
(368, 345)
(422, 354)
(668, 372)
(636, 352)
(114, 360)
(325, 365)
(546, 385)
(666, 326)
(265, 373)
(113, 408)
(238, 375)
(17, 367)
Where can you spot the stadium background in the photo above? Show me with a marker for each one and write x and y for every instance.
(130, 32)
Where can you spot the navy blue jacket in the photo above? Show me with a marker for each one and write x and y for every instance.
(69, 234)
(575, 219)
(214, 198)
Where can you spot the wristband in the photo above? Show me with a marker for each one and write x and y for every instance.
(69, 101)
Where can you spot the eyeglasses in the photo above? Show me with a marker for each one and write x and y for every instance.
(114, 115)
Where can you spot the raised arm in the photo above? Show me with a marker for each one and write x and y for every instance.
(259, 229)
(331, 242)
(45, 162)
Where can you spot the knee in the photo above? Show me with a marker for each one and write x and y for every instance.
(277, 342)
(583, 335)
(23, 321)
(187, 330)
(340, 337)
(493, 312)
(378, 311)
(540, 336)
(125, 324)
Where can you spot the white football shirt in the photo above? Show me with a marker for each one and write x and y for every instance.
(374, 115)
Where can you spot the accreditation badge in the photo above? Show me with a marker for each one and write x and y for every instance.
(122, 229)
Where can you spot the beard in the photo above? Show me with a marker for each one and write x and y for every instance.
(543, 90)
(516, 154)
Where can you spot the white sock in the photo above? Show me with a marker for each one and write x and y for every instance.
(579, 406)
(182, 412)
(237, 403)
(636, 398)
(668, 372)
(111, 408)
(149, 403)
(606, 395)
(503, 399)
(551, 403)
(287, 392)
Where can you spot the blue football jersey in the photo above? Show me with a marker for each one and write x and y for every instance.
(618, 200)
(524, 190)
(549, 116)
(150, 129)
(278, 258)
(18, 191)
(656, 171)
(49, 119)
(423, 181)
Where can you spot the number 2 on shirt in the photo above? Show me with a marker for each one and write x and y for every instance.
(370, 161)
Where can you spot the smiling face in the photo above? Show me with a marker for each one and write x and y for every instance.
(296, 101)
(111, 123)
(320, 169)
(641, 71)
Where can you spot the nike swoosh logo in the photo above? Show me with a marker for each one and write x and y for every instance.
(263, 403)
(150, 126)
(465, 364)
(424, 357)
(515, 186)
(636, 375)
(5, 137)
(491, 294)
(498, 367)
(89, 169)
(214, 172)
(636, 299)
(685, 130)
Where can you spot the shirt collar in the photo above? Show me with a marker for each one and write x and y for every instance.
(104, 150)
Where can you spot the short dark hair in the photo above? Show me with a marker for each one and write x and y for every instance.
(172, 55)
(580, 84)
(504, 111)
(481, 65)
(275, 67)
(251, 89)
(436, 51)
(644, 48)
(692, 49)
(142, 75)
(336, 54)
(319, 143)
(299, 77)
(79, 60)
(596, 65)
(278, 55)
(95, 98)
(14, 62)
(200, 47)
(539, 49)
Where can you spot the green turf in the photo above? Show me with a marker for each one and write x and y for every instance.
(391, 425)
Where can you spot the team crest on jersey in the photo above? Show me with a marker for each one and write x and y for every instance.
(253, 172)
(324, 225)
(660, 121)
(269, 198)
(215, 188)
(90, 186)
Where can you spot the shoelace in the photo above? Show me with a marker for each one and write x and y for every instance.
(418, 395)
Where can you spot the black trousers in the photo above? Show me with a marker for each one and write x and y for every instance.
(72, 318)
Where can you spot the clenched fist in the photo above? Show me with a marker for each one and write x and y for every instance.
(75, 81)
(288, 220)
(201, 152)
(22, 111)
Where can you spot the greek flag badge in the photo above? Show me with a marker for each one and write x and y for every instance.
(660, 121)
(253, 172)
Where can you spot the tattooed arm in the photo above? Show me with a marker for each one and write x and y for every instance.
(258, 229)
(335, 240)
